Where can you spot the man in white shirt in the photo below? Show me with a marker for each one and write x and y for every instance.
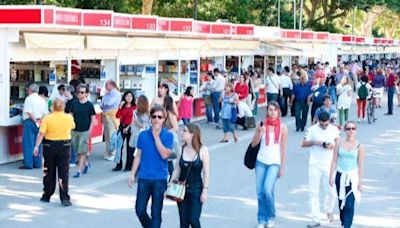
(35, 108)
(273, 83)
(287, 88)
(217, 88)
(321, 138)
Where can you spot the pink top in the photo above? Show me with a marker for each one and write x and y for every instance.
(186, 107)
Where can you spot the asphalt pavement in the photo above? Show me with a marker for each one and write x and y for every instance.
(103, 199)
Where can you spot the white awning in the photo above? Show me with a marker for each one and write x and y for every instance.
(276, 50)
(141, 43)
(187, 43)
(108, 42)
(56, 41)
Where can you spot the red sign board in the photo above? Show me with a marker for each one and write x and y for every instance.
(145, 23)
(390, 41)
(181, 26)
(221, 29)
(347, 38)
(307, 35)
(293, 34)
(163, 25)
(14, 135)
(242, 30)
(97, 19)
(384, 41)
(283, 34)
(360, 40)
(201, 27)
(64, 17)
(20, 16)
(377, 41)
(122, 22)
(48, 16)
(321, 36)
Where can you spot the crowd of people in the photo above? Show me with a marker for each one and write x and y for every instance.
(156, 155)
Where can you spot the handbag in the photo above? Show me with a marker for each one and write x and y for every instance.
(250, 122)
(250, 157)
(176, 190)
(234, 114)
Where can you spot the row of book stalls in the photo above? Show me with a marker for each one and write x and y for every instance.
(51, 46)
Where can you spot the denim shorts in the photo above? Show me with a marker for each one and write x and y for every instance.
(227, 126)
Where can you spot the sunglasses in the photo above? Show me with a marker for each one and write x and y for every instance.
(81, 92)
(351, 128)
(157, 117)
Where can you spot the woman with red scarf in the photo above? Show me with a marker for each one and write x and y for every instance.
(270, 165)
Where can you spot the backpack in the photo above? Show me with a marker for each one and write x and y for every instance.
(363, 92)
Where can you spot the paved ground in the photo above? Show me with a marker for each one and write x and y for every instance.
(102, 198)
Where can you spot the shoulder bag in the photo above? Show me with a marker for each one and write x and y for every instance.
(250, 157)
(176, 190)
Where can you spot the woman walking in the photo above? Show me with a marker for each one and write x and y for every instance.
(125, 114)
(229, 102)
(140, 122)
(163, 91)
(378, 83)
(347, 165)
(55, 132)
(345, 93)
(186, 105)
(193, 162)
(271, 160)
(256, 80)
(171, 124)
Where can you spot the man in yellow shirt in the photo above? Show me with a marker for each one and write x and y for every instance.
(55, 132)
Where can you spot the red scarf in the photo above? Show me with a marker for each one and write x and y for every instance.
(276, 123)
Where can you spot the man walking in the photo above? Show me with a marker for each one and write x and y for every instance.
(391, 89)
(287, 88)
(321, 139)
(154, 146)
(301, 99)
(217, 88)
(273, 83)
(84, 118)
(35, 108)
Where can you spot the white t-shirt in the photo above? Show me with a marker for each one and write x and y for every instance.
(219, 83)
(273, 83)
(271, 153)
(318, 154)
(344, 100)
(35, 105)
(244, 110)
(286, 82)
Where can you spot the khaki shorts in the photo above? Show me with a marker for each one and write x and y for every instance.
(80, 142)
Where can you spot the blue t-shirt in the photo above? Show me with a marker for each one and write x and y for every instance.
(319, 94)
(152, 166)
(301, 92)
(331, 111)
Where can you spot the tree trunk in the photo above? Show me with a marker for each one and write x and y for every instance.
(147, 7)
(369, 20)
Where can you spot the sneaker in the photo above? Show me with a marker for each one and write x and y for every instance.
(66, 203)
(110, 158)
(330, 217)
(313, 225)
(86, 168)
(270, 224)
(261, 226)
(44, 200)
(77, 175)
(72, 165)
(359, 120)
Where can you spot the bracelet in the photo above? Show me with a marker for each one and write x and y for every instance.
(206, 188)
(36, 147)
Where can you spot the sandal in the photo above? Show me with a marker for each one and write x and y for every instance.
(224, 141)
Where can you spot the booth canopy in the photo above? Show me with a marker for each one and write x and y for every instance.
(58, 41)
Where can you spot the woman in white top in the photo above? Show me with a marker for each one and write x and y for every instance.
(270, 165)
(347, 172)
(345, 93)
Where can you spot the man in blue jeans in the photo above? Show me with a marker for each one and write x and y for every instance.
(151, 164)
(217, 88)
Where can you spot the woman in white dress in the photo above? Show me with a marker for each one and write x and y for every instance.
(345, 93)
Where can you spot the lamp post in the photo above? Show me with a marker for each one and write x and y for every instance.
(301, 15)
(195, 9)
(38, 2)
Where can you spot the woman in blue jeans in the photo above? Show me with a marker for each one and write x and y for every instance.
(270, 165)
(193, 161)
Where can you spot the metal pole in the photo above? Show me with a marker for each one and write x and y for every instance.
(354, 18)
(195, 9)
(279, 13)
(301, 14)
(294, 14)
